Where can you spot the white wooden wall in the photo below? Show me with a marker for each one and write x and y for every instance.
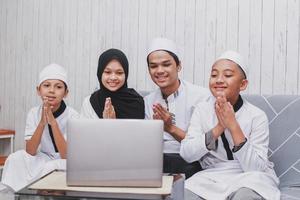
(73, 33)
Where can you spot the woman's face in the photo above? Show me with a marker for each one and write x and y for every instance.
(113, 77)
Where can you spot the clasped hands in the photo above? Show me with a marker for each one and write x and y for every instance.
(109, 110)
(47, 112)
(159, 112)
(225, 113)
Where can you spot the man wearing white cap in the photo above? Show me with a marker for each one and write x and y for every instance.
(229, 137)
(45, 132)
(172, 102)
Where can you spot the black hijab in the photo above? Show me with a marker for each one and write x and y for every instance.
(128, 104)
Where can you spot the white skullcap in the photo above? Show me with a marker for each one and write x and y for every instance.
(53, 71)
(235, 57)
(162, 44)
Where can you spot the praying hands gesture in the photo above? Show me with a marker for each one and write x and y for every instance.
(46, 118)
(47, 114)
(226, 117)
(224, 111)
(159, 112)
(109, 111)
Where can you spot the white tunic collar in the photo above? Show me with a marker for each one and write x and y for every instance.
(174, 95)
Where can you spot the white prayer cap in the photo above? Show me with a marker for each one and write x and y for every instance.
(53, 71)
(235, 57)
(162, 44)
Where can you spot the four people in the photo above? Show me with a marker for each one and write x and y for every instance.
(224, 133)
(230, 138)
(45, 132)
(173, 102)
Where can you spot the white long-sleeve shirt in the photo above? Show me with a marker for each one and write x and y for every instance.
(250, 167)
(32, 121)
(181, 104)
(21, 168)
(87, 111)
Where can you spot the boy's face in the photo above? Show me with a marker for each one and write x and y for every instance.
(227, 79)
(113, 76)
(163, 69)
(55, 90)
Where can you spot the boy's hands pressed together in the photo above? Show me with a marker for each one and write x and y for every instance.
(226, 116)
(47, 113)
(225, 112)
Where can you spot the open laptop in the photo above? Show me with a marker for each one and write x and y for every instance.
(114, 152)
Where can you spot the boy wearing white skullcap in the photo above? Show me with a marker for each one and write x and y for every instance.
(45, 132)
(173, 102)
(229, 137)
(53, 71)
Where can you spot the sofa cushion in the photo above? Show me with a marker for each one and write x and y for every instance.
(290, 193)
(284, 148)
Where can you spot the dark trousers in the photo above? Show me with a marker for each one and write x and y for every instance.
(174, 163)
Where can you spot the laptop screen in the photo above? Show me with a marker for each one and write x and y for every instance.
(114, 152)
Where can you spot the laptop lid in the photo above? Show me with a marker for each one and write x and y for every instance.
(114, 152)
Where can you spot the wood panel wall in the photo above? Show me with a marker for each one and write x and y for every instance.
(73, 33)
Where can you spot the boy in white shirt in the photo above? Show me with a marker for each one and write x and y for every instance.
(45, 132)
(173, 102)
(230, 138)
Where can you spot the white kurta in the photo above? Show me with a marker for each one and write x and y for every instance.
(21, 168)
(87, 111)
(181, 104)
(250, 167)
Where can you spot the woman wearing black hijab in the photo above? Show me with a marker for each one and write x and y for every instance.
(114, 99)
